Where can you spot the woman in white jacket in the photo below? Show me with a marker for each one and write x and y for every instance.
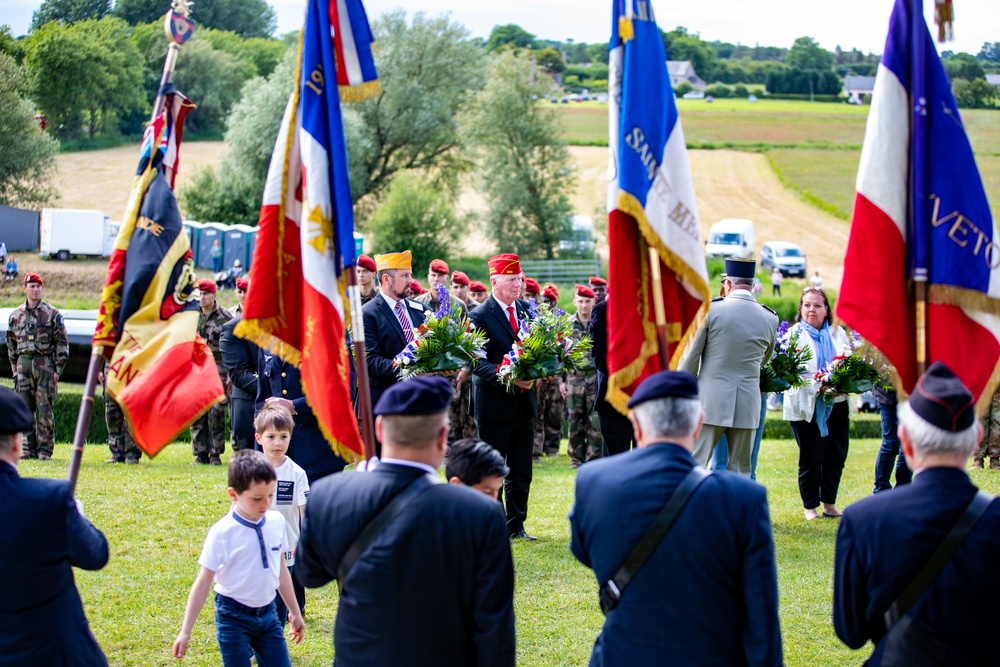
(821, 430)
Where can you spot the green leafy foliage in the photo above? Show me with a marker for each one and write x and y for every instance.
(525, 171)
(247, 18)
(975, 94)
(807, 54)
(546, 346)
(28, 167)
(69, 11)
(509, 36)
(788, 363)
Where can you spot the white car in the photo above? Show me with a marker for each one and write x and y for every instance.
(694, 95)
(786, 256)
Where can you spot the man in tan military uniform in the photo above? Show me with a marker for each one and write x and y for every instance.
(726, 356)
(989, 446)
(585, 441)
(208, 432)
(38, 351)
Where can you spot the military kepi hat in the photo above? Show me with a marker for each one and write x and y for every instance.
(33, 278)
(14, 414)
(394, 260)
(422, 395)
(941, 399)
(506, 264)
(737, 267)
(206, 285)
(665, 384)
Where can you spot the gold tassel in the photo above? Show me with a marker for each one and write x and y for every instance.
(360, 92)
(625, 29)
(944, 16)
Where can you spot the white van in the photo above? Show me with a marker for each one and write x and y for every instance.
(732, 237)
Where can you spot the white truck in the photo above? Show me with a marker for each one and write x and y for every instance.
(732, 237)
(67, 232)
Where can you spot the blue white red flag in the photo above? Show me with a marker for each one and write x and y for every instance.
(296, 304)
(921, 212)
(651, 202)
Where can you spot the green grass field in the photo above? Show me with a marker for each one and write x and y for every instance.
(156, 515)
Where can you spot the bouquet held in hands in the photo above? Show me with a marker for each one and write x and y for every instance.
(442, 345)
(545, 347)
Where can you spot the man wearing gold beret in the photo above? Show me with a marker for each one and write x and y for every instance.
(390, 319)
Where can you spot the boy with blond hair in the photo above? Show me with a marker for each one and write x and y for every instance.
(273, 426)
(243, 554)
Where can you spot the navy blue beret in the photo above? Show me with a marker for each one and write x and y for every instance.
(740, 268)
(665, 384)
(14, 414)
(423, 395)
(941, 399)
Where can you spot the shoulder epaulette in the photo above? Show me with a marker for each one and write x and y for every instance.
(717, 298)
(768, 309)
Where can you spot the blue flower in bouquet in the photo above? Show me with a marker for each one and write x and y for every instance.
(559, 311)
(444, 301)
(532, 308)
(407, 355)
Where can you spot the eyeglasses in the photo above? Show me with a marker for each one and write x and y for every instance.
(820, 290)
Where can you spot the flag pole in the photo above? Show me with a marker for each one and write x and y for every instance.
(178, 27)
(918, 179)
(360, 363)
(661, 315)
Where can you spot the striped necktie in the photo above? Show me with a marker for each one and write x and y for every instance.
(405, 323)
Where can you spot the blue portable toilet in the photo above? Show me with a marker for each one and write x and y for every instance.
(236, 246)
(359, 244)
(193, 229)
(210, 233)
(251, 244)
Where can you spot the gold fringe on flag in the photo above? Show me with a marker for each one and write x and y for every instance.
(625, 29)
(360, 92)
(944, 16)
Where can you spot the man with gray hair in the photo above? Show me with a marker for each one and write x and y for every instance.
(912, 566)
(726, 356)
(706, 593)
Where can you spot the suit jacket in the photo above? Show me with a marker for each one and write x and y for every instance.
(384, 339)
(308, 447)
(708, 595)
(883, 541)
(43, 538)
(491, 400)
(240, 357)
(727, 355)
(599, 350)
(435, 588)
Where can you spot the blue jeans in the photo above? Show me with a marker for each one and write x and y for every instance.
(300, 597)
(238, 628)
(720, 455)
(889, 453)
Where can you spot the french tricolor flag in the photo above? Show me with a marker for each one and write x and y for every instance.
(921, 213)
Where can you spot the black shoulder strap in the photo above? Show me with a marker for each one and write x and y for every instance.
(386, 515)
(932, 568)
(611, 591)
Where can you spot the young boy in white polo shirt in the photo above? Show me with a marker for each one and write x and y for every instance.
(243, 554)
(273, 426)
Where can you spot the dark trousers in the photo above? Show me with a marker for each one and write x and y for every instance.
(821, 460)
(616, 430)
(241, 423)
(239, 629)
(514, 439)
(889, 453)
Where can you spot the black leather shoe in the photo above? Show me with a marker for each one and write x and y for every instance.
(523, 535)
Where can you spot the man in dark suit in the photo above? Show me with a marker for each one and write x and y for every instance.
(44, 536)
(240, 358)
(884, 540)
(506, 420)
(390, 320)
(281, 380)
(708, 594)
(435, 587)
(616, 429)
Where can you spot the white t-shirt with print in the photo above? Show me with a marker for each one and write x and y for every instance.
(292, 492)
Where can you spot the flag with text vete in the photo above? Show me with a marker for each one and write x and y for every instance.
(296, 306)
(160, 371)
(921, 210)
(650, 203)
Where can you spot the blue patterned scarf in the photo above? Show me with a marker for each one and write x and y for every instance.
(823, 342)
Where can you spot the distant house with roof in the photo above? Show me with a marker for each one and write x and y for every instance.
(993, 79)
(682, 71)
(856, 86)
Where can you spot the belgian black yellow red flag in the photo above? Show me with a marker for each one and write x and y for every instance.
(161, 372)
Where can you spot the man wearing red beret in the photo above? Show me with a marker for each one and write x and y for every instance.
(600, 288)
(585, 441)
(531, 288)
(366, 278)
(505, 419)
(437, 274)
(208, 432)
(477, 293)
(241, 294)
(460, 288)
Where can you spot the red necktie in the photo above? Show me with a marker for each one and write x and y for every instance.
(513, 320)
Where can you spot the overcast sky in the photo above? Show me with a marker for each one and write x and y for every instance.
(858, 24)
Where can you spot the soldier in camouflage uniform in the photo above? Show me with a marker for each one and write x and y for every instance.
(463, 425)
(989, 446)
(38, 351)
(551, 404)
(120, 441)
(208, 432)
(585, 442)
